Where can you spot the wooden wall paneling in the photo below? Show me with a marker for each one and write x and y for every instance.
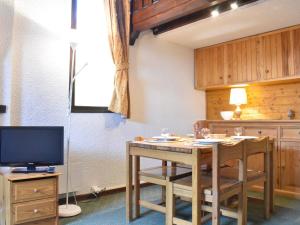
(219, 65)
(200, 78)
(238, 55)
(287, 61)
(266, 56)
(274, 60)
(254, 46)
(244, 61)
(296, 50)
(264, 102)
(279, 56)
(207, 66)
(229, 63)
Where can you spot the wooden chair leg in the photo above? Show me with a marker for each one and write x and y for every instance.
(170, 204)
(267, 185)
(242, 208)
(216, 217)
(267, 199)
(163, 188)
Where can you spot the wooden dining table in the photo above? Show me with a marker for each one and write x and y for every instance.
(179, 152)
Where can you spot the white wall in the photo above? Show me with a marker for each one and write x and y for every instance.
(161, 90)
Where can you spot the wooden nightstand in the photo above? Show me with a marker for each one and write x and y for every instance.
(29, 199)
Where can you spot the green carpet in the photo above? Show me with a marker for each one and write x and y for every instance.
(110, 210)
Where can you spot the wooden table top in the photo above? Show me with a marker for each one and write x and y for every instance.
(184, 146)
(174, 146)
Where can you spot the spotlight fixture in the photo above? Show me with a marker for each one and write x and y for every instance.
(234, 5)
(215, 13)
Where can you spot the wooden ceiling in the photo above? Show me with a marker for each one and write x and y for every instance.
(164, 15)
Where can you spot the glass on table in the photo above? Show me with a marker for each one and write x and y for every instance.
(238, 131)
(205, 132)
(165, 132)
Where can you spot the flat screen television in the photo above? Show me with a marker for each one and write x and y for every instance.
(31, 147)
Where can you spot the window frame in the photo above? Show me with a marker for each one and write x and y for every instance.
(75, 108)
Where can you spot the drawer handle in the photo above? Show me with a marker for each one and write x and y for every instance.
(259, 132)
(35, 211)
(35, 190)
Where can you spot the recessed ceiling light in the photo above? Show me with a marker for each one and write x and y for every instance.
(234, 5)
(215, 13)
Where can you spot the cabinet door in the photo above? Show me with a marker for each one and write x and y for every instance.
(241, 61)
(209, 67)
(296, 51)
(276, 56)
(290, 166)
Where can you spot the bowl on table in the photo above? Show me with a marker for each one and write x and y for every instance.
(227, 115)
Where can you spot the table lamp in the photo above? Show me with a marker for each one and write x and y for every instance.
(238, 97)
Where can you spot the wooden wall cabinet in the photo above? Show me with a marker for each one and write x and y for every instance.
(267, 57)
(286, 135)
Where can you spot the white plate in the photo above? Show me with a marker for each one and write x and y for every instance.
(208, 141)
(243, 137)
(158, 141)
(169, 138)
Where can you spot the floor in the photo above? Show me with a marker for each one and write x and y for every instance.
(110, 210)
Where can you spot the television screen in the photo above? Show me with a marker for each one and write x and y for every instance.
(39, 146)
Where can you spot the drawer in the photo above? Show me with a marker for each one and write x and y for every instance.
(34, 210)
(251, 131)
(52, 221)
(33, 189)
(293, 133)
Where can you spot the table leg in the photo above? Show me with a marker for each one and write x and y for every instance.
(272, 174)
(196, 190)
(137, 185)
(128, 184)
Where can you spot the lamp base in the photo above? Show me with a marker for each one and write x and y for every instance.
(69, 210)
(238, 112)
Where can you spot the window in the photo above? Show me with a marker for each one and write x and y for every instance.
(93, 86)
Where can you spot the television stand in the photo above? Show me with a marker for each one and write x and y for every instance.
(28, 198)
(34, 169)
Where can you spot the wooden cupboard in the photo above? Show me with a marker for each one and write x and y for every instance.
(286, 135)
(28, 199)
(267, 57)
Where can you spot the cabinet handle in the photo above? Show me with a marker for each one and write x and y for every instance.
(221, 78)
(229, 76)
(35, 211)
(267, 71)
(259, 132)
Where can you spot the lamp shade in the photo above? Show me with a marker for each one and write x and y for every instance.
(238, 96)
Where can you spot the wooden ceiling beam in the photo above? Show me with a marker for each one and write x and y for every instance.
(199, 15)
(164, 15)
